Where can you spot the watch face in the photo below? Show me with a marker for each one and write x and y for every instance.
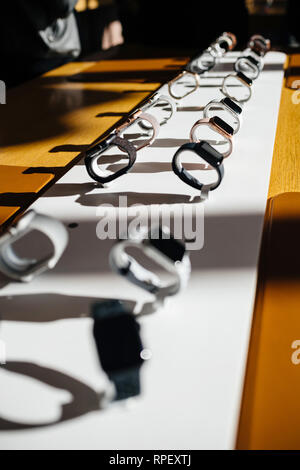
(223, 125)
(117, 336)
(234, 106)
(170, 247)
(245, 78)
(209, 154)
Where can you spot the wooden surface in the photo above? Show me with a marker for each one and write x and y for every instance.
(286, 161)
(47, 123)
(270, 416)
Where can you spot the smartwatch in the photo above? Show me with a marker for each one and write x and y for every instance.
(232, 40)
(160, 247)
(259, 45)
(241, 79)
(119, 346)
(175, 80)
(228, 105)
(203, 63)
(248, 65)
(208, 59)
(93, 155)
(135, 118)
(156, 100)
(26, 269)
(212, 157)
(219, 126)
(225, 43)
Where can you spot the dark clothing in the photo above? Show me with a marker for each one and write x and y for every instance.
(21, 20)
(24, 53)
(189, 24)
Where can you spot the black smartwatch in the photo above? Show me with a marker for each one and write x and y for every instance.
(212, 157)
(119, 346)
(94, 155)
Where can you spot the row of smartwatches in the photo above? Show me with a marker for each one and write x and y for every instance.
(116, 329)
(237, 90)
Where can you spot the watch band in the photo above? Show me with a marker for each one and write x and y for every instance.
(168, 253)
(232, 38)
(135, 118)
(229, 106)
(153, 101)
(203, 63)
(208, 59)
(259, 44)
(119, 346)
(179, 77)
(225, 44)
(206, 152)
(249, 66)
(241, 78)
(259, 59)
(23, 269)
(218, 125)
(94, 155)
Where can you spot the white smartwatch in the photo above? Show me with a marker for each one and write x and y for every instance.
(160, 247)
(25, 269)
(240, 79)
(156, 100)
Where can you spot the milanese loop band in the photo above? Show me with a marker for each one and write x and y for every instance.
(241, 79)
(160, 247)
(207, 153)
(93, 156)
(183, 74)
(23, 269)
(228, 105)
(219, 126)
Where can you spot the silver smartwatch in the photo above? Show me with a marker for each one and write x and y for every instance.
(249, 65)
(259, 45)
(155, 100)
(24, 269)
(136, 117)
(240, 79)
(176, 80)
(228, 105)
(207, 61)
(219, 126)
(160, 247)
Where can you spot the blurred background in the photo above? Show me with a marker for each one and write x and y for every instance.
(38, 35)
